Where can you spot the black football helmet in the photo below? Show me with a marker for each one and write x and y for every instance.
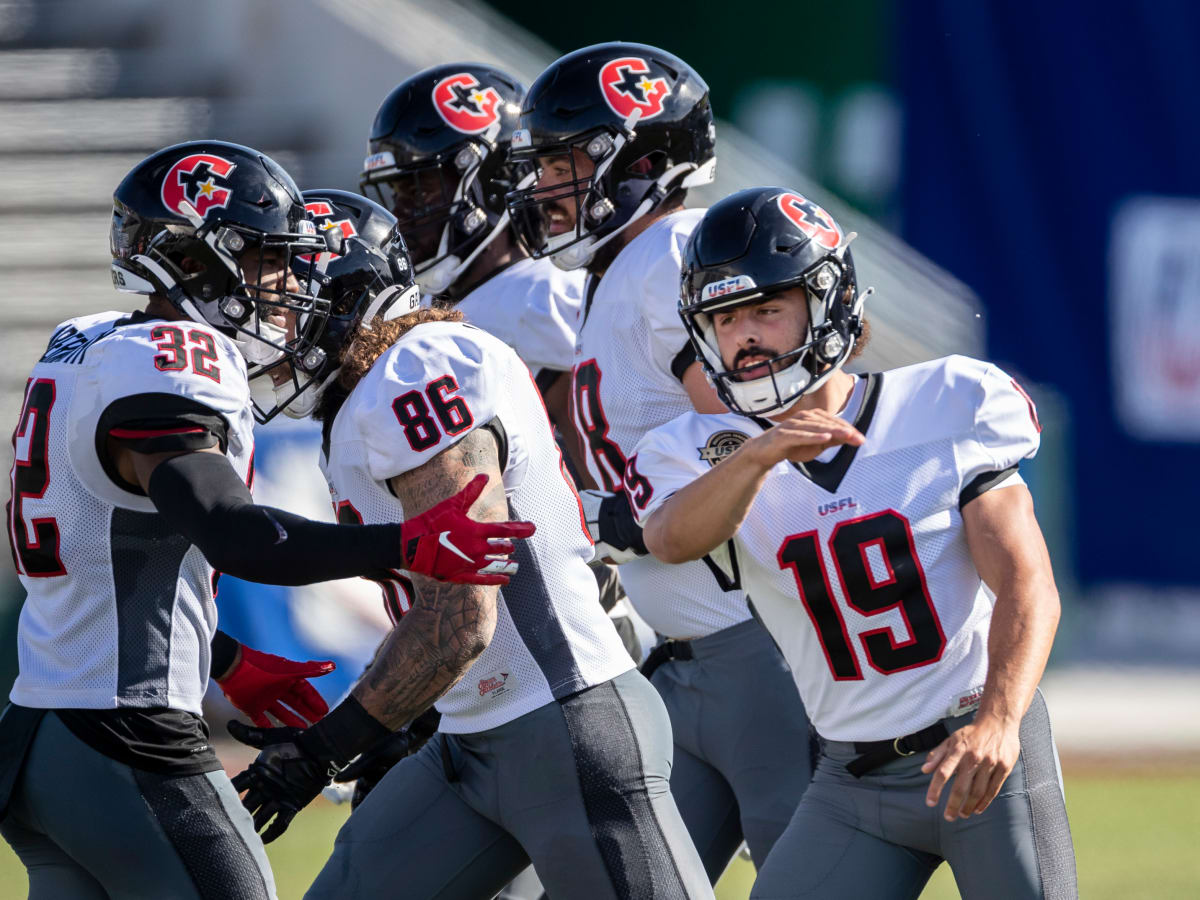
(183, 221)
(439, 160)
(640, 114)
(365, 275)
(751, 245)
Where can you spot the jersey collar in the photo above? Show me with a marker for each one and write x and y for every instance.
(829, 475)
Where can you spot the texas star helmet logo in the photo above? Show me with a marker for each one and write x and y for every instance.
(323, 213)
(626, 85)
(200, 179)
(812, 220)
(465, 104)
(721, 445)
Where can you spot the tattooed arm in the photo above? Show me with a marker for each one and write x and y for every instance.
(449, 625)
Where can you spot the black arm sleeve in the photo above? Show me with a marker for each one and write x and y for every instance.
(683, 361)
(224, 652)
(617, 526)
(201, 497)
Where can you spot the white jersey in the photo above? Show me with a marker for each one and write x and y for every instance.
(436, 384)
(120, 608)
(631, 352)
(860, 568)
(533, 306)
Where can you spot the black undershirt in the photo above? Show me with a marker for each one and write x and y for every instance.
(165, 741)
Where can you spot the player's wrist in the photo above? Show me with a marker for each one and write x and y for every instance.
(344, 733)
(997, 719)
(758, 454)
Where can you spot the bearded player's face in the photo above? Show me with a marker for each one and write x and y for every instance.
(761, 331)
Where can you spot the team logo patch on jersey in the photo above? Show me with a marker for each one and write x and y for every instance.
(627, 85)
(201, 181)
(811, 219)
(494, 685)
(465, 104)
(721, 444)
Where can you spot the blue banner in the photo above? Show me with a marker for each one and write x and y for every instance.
(1050, 161)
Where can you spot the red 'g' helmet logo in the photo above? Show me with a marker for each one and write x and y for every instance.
(626, 85)
(812, 220)
(202, 180)
(465, 104)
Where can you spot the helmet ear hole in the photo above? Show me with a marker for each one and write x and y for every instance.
(646, 164)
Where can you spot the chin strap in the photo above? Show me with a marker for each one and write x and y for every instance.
(301, 404)
(437, 278)
(580, 253)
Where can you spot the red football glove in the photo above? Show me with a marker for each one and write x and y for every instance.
(262, 683)
(447, 544)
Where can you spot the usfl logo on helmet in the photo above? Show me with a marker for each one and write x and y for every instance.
(465, 104)
(322, 213)
(627, 85)
(811, 219)
(201, 181)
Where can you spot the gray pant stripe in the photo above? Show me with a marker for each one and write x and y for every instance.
(532, 610)
(146, 556)
(207, 841)
(609, 762)
(1047, 808)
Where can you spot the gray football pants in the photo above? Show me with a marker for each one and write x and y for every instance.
(89, 828)
(581, 787)
(875, 837)
(742, 749)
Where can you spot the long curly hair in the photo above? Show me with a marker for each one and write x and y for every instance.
(367, 345)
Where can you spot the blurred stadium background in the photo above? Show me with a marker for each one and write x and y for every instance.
(1024, 187)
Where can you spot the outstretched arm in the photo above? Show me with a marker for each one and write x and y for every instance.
(200, 495)
(707, 512)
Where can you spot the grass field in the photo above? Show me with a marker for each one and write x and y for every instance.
(1136, 836)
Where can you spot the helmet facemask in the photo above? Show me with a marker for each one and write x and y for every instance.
(441, 206)
(234, 278)
(622, 188)
(834, 324)
(379, 286)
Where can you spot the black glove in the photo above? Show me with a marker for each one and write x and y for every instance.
(368, 770)
(296, 763)
(282, 780)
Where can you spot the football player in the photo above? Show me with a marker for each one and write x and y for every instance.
(551, 746)
(619, 133)
(889, 544)
(133, 459)
(439, 160)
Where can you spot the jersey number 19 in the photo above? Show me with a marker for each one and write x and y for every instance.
(877, 566)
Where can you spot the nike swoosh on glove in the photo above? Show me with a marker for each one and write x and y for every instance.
(447, 544)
